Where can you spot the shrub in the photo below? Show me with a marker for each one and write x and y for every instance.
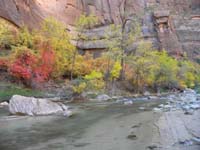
(94, 80)
(25, 38)
(22, 65)
(30, 67)
(79, 88)
(166, 73)
(4, 63)
(115, 72)
(7, 37)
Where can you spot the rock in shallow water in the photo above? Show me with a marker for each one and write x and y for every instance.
(35, 107)
(157, 109)
(3, 104)
(103, 97)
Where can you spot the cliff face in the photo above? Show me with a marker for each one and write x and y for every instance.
(170, 24)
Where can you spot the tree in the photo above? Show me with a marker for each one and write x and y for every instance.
(187, 73)
(158, 70)
(120, 37)
(83, 23)
(55, 33)
(7, 37)
(166, 73)
(25, 38)
(142, 66)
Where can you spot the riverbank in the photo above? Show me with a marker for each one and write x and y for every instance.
(177, 131)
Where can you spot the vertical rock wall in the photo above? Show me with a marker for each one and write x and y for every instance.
(177, 31)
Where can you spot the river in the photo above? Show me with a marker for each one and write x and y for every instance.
(102, 126)
(99, 126)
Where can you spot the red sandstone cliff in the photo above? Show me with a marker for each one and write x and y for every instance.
(170, 24)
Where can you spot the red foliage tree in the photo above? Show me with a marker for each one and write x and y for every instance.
(45, 68)
(22, 65)
(35, 68)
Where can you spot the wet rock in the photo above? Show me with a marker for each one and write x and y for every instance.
(152, 147)
(189, 91)
(165, 107)
(128, 102)
(142, 108)
(157, 110)
(116, 97)
(196, 140)
(189, 112)
(186, 142)
(198, 97)
(132, 136)
(35, 107)
(186, 101)
(188, 95)
(81, 144)
(161, 105)
(3, 104)
(144, 98)
(186, 107)
(103, 97)
(137, 125)
(147, 93)
(153, 97)
(195, 106)
(171, 98)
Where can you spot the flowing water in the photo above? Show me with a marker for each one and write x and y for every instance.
(95, 126)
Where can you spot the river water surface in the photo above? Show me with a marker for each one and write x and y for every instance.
(95, 126)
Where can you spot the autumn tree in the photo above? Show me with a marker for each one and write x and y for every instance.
(83, 23)
(7, 37)
(142, 66)
(120, 38)
(55, 32)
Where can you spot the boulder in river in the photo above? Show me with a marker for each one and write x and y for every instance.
(103, 97)
(3, 104)
(35, 107)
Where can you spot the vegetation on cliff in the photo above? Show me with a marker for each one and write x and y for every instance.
(44, 54)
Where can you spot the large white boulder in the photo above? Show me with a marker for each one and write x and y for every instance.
(32, 106)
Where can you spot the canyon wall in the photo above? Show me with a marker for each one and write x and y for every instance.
(170, 24)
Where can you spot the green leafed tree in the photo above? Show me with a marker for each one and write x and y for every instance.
(119, 39)
(83, 23)
(7, 37)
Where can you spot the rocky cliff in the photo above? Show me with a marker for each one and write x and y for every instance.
(170, 24)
